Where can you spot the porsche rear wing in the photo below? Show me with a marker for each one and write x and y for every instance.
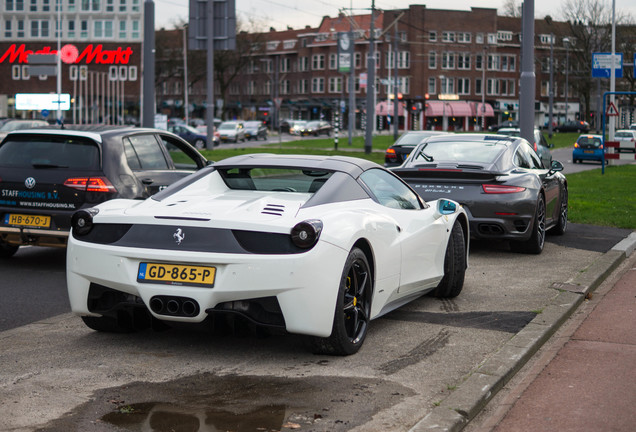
(459, 173)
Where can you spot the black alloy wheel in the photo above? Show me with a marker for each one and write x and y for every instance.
(534, 245)
(353, 309)
(562, 224)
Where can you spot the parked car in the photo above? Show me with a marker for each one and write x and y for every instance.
(316, 128)
(626, 140)
(399, 151)
(47, 174)
(191, 135)
(540, 144)
(297, 126)
(330, 219)
(632, 126)
(588, 148)
(287, 124)
(504, 124)
(16, 124)
(501, 182)
(233, 131)
(573, 126)
(255, 130)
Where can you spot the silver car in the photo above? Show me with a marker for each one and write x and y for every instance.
(232, 131)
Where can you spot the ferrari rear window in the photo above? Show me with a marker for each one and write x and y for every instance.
(275, 179)
(46, 151)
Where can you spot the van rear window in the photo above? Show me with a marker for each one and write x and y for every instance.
(46, 151)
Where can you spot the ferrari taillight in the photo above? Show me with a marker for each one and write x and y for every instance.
(90, 184)
(501, 189)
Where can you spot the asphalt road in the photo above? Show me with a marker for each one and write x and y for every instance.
(58, 375)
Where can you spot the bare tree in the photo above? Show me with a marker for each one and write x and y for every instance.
(511, 8)
(590, 31)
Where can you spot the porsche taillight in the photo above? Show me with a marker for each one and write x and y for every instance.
(501, 189)
(390, 152)
(90, 184)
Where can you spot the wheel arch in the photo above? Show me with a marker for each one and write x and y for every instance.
(364, 245)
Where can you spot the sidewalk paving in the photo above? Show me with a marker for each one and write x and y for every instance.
(581, 380)
(586, 379)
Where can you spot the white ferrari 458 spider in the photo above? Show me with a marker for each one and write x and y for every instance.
(312, 245)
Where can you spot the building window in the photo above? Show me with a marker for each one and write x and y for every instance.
(122, 29)
(404, 60)
(432, 60)
(546, 39)
(20, 29)
(505, 36)
(463, 86)
(135, 5)
(46, 6)
(7, 29)
(448, 60)
(15, 72)
(110, 5)
(463, 61)
(58, 30)
(447, 85)
(478, 86)
(122, 5)
(333, 61)
(285, 86)
(508, 63)
(448, 36)
(479, 61)
(317, 85)
(303, 64)
(135, 29)
(493, 62)
(492, 87)
(357, 57)
(545, 88)
(432, 36)
(285, 64)
(303, 86)
(432, 82)
(39, 28)
(479, 38)
(103, 29)
(463, 37)
(318, 62)
(34, 6)
(84, 29)
(70, 5)
(492, 38)
(335, 85)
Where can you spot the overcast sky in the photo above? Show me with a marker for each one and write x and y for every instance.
(300, 13)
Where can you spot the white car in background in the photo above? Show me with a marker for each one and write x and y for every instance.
(313, 245)
(626, 140)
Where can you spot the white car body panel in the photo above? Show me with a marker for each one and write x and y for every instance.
(407, 246)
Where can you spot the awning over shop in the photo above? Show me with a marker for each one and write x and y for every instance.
(487, 112)
(385, 108)
(448, 108)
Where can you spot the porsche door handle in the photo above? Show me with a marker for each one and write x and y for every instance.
(397, 227)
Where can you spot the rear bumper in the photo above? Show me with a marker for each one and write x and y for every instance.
(33, 236)
(580, 154)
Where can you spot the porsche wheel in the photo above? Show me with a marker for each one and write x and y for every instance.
(7, 250)
(106, 324)
(353, 309)
(562, 224)
(534, 245)
(454, 265)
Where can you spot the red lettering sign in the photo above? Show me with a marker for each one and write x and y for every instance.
(91, 54)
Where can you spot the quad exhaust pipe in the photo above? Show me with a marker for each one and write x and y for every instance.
(174, 306)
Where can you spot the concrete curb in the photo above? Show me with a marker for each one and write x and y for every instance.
(470, 397)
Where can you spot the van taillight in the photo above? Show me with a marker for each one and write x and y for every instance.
(90, 184)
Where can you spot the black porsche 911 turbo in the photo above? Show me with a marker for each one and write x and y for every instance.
(499, 180)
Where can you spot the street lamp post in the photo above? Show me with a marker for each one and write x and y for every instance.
(551, 92)
(185, 73)
(566, 41)
(483, 89)
(443, 84)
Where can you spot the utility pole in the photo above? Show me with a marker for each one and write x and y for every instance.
(368, 138)
(528, 78)
(148, 100)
